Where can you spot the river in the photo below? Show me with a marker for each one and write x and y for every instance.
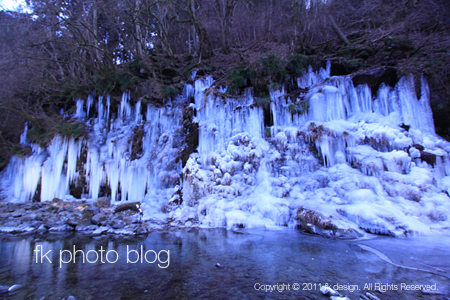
(223, 264)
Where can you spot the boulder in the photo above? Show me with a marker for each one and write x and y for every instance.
(134, 206)
(118, 225)
(103, 202)
(141, 231)
(14, 288)
(428, 157)
(50, 222)
(3, 289)
(98, 218)
(72, 221)
(18, 213)
(100, 230)
(86, 217)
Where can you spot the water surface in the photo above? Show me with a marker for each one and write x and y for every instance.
(247, 259)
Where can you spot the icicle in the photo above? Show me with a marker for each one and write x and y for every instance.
(138, 115)
(426, 115)
(108, 106)
(23, 136)
(73, 154)
(125, 108)
(100, 108)
(80, 112)
(89, 103)
(53, 181)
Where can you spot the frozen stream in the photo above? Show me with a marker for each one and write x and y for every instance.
(246, 258)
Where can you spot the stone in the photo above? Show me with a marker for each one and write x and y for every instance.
(15, 288)
(86, 227)
(134, 206)
(36, 224)
(3, 289)
(11, 223)
(42, 228)
(86, 217)
(103, 202)
(326, 290)
(50, 222)
(118, 225)
(25, 219)
(18, 213)
(63, 227)
(428, 157)
(100, 230)
(72, 221)
(141, 231)
(98, 218)
(371, 296)
(70, 208)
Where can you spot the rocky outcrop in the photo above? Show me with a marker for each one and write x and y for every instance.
(375, 77)
(314, 223)
(93, 219)
(133, 206)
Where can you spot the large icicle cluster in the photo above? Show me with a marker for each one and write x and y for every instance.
(103, 164)
(347, 158)
(356, 160)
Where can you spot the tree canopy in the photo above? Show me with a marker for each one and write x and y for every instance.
(65, 49)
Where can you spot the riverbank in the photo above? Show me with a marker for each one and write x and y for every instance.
(90, 218)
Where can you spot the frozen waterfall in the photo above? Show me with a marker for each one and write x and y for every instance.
(361, 161)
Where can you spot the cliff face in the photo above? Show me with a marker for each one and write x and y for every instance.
(343, 155)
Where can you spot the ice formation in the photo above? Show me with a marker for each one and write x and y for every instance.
(348, 157)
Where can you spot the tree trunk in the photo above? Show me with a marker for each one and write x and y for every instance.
(138, 32)
(338, 31)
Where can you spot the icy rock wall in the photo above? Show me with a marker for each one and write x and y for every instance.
(347, 157)
(103, 161)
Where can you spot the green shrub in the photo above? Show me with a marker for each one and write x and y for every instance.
(268, 70)
(39, 136)
(299, 64)
(170, 91)
(263, 101)
(238, 79)
(139, 67)
(71, 129)
(112, 79)
(104, 85)
(188, 70)
(126, 80)
(299, 108)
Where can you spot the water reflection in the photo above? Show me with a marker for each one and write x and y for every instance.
(264, 257)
